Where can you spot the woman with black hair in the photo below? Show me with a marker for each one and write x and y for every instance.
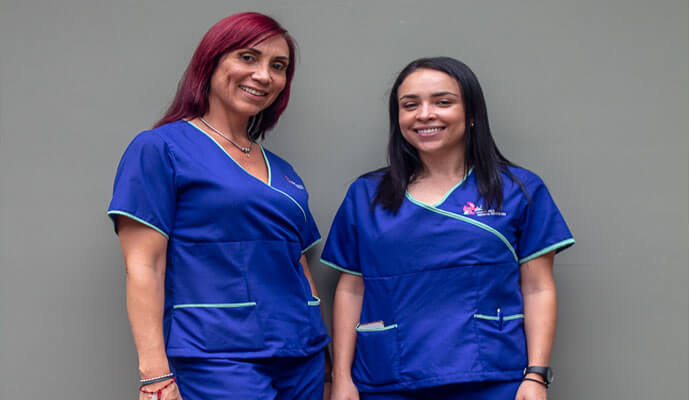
(447, 289)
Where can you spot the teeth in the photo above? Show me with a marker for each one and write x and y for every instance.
(252, 91)
(428, 130)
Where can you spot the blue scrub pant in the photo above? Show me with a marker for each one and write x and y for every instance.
(288, 378)
(490, 390)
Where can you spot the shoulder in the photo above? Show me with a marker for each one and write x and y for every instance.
(368, 182)
(162, 137)
(527, 178)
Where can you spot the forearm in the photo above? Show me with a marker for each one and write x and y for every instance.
(307, 273)
(145, 299)
(540, 308)
(346, 314)
(144, 253)
(540, 318)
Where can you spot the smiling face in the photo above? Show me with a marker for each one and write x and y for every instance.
(431, 112)
(248, 80)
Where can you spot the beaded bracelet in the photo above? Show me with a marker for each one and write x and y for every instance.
(144, 382)
(157, 393)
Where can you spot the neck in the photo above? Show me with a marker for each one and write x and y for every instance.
(449, 164)
(229, 124)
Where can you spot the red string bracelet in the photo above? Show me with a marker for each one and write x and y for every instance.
(157, 392)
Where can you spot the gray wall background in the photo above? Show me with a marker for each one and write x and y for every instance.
(591, 95)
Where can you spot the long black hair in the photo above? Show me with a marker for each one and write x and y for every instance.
(480, 152)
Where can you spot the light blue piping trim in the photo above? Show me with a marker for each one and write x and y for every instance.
(315, 242)
(233, 160)
(265, 158)
(290, 197)
(221, 305)
(449, 192)
(465, 219)
(558, 245)
(385, 328)
(494, 318)
(337, 267)
(316, 302)
(137, 219)
(270, 170)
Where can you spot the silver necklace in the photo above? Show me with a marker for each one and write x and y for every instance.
(245, 150)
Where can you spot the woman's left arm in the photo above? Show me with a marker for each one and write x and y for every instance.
(314, 292)
(540, 318)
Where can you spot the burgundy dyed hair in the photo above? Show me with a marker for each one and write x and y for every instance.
(231, 33)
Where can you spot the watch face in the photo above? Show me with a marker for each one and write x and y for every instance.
(549, 374)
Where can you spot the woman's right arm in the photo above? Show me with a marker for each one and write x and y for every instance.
(346, 312)
(144, 252)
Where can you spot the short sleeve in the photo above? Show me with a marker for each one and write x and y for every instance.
(309, 234)
(542, 228)
(144, 188)
(341, 248)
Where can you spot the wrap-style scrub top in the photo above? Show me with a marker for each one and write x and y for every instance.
(234, 286)
(444, 279)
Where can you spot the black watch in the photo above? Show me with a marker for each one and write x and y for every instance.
(545, 372)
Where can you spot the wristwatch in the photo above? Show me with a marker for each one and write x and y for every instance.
(545, 372)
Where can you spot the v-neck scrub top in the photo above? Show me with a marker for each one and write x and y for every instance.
(234, 286)
(444, 279)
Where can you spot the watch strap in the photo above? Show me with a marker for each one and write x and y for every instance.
(544, 372)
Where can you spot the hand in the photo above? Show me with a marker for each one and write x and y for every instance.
(529, 390)
(169, 393)
(343, 389)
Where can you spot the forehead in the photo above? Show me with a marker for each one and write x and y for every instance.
(275, 46)
(427, 81)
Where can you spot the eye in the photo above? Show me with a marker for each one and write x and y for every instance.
(247, 57)
(444, 102)
(410, 105)
(279, 66)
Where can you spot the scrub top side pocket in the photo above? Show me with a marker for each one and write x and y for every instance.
(377, 358)
(221, 328)
(502, 342)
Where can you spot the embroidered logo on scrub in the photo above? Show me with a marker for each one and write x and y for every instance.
(295, 184)
(472, 209)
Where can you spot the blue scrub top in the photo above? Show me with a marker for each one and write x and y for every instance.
(444, 279)
(234, 286)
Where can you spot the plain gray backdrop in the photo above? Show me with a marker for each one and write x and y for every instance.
(591, 95)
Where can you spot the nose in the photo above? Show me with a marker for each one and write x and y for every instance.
(262, 74)
(425, 112)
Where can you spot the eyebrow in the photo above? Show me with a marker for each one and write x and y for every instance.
(438, 94)
(259, 52)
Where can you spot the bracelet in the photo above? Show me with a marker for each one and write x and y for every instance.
(158, 392)
(145, 382)
(535, 380)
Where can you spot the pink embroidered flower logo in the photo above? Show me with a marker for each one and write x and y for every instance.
(469, 208)
(295, 184)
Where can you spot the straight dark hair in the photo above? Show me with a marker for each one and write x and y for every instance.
(480, 152)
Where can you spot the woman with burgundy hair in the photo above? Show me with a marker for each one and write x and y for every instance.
(214, 230)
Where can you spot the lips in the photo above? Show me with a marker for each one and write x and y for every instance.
(252, 91)
(429, 130)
